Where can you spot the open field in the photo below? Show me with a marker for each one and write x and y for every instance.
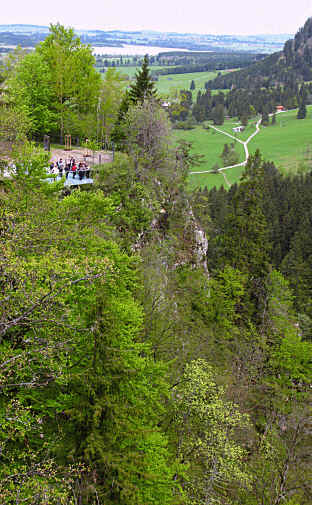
(288, 143)
(183, 81)
(209, 143)
(131, 71)
(176, 81)
(229, 124)
(166, 83)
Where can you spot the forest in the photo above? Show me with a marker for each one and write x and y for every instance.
(155, 341)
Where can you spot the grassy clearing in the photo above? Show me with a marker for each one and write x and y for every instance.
(183, 81)
(180, 81)
(234, 174)
(167, 83)
(209, 180)
(209, 143)
(131, 71)
(288, 143)
(229, 124)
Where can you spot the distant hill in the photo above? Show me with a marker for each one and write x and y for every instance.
(24, 28)
(30, 35)
(291, 65)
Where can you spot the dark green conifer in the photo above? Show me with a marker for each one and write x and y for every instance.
(302, 111)
(143, 87)
(245, 242)
(265, 118)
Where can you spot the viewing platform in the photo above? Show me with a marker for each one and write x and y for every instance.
(71, 181)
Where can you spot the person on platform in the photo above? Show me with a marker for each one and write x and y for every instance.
(67, 169)
(74, 169)
(60, 167)
(81, 171)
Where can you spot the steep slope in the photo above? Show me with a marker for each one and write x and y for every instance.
(292, 64)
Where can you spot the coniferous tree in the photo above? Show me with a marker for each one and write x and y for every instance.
(218, 114)
(265, 117)
(244, 245)
(143, 87)
(192, 86)
(302, 111)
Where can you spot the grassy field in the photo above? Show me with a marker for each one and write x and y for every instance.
(131, 71)
(229, 124)
(183, 81)
(288, 144)
(209, 143)
(175, 81)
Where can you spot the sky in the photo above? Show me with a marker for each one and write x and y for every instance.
(191, 16)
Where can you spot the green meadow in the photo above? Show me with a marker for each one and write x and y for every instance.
(166, 83)
(288, 144)
(131, 71)
(183, 81)
(209, 143)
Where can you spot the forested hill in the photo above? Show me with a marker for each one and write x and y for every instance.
(292, 64)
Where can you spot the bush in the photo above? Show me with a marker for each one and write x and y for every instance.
(188, 124)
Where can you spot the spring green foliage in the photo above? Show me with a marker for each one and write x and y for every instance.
(30, 87)
(75, 82)
(204, 424)
(80, 398)
(131, 373)
(109, 103)
(57, 84)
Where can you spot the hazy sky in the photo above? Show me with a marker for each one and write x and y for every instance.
(200, 16)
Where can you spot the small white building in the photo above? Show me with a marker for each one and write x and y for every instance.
(238, 129)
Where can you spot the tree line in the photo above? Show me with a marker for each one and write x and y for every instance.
(238, 102)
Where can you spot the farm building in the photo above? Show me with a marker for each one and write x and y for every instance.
(238, 129)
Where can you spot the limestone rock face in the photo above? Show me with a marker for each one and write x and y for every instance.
(201, 248)
(193, 243)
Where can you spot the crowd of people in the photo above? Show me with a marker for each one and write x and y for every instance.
(62, 167)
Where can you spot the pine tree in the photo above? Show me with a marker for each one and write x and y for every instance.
(218, 114)
(143, 87)
(265, 117)
(245, 243)
(302, 111)
(192, 86)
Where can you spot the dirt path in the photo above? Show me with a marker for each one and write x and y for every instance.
(243, 142)
(226, 179)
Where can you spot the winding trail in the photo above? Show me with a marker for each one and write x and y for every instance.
(243, 142)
